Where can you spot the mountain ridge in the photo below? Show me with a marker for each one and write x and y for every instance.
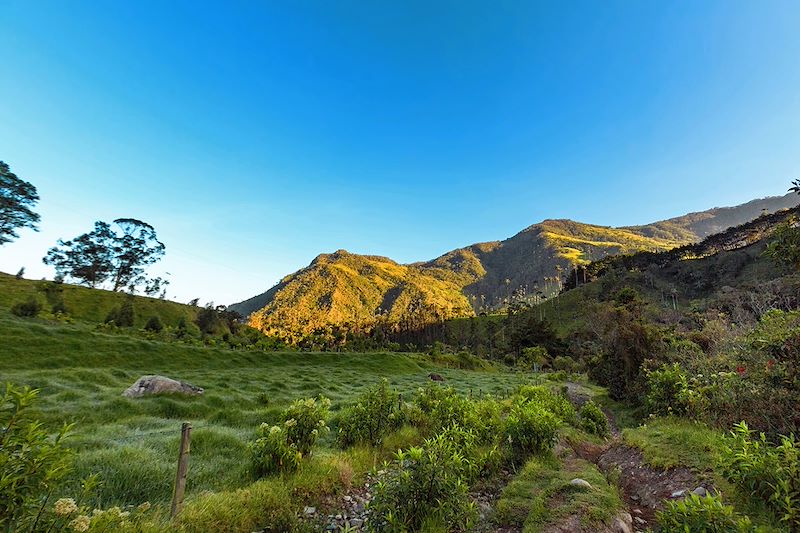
(342, 291)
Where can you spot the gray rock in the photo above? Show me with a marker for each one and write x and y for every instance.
(700, 491)
(622, 523)
(678, 493)
(356, 522)
(308, 511)
(147, 385)
(581, 483)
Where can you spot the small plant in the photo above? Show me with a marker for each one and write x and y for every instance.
(437, 408)
(707, 514)
(272, 452)
(668, 391)
(28, 309)
(375, 413)
(20, 273)
(593, 420)
(558, 404)
(305, 420)
(530, 428)
(770, 473)
(531, 358)
(281, 448)
(154, 324)
(425, 488)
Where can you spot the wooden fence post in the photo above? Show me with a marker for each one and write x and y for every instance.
(183, 469)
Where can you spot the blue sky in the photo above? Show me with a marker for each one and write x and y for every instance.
(255, 135)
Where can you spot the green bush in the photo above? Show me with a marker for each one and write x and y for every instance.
(533, 357)
(154, 324)
(761, 470)
(29, 308)
(566, 364)
(558, 404)
(701, 515)
(375, 413)
(426, 488)
(305, 420)
(281, 448)
(593, 420)
(32, 464)
(668, 391)
(530, 428)
(273, 452)
(436, 408)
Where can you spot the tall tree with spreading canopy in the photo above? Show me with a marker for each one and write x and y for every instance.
(118, 255)
(17, 199)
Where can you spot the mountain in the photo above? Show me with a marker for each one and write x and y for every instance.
(341, 291)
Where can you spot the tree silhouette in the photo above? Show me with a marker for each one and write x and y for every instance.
(17, 199)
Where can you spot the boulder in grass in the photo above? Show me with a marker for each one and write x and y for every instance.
(435, 377)
(148, 385)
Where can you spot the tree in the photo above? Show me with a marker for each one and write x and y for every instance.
(118, 255)
(17, 199)
(795, 186)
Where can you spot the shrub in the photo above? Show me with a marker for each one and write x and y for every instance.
(530, 428)
(533, 358)
(304, 420)
(32, 464)
(281, 448)
(566, 364)
(770, 473)
(701, 515)
(668, 391)
(593, 420)
(437, 408)
(557, 404)
(272, 451)
(426, 488)
(154, 324)
(375, 413)
(122, 316)
(29, 308)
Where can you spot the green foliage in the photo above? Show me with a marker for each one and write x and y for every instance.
(530, 429)
(118, 254)
(273, 451)
(154, 324)
(533, 357)
(33, 465)
(375, 413)
(770, 473)
(557, 404)
(123, 316)
(784, 247)
(566, 364)
(425, 488)
(668, 391)
(305, 420)
(436, 408)
(593, 420)
(707, 514)
(29, 308)
(17, 200)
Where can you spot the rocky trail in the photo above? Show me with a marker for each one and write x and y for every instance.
(643, 488)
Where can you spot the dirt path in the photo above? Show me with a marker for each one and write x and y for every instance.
(644, 488)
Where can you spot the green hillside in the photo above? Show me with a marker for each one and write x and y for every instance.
(344, 292)
(90, 305)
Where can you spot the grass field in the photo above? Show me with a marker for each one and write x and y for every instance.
(132, 443)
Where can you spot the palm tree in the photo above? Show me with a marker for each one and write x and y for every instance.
(795, 186)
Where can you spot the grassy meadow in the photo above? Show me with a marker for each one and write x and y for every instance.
(132, 443)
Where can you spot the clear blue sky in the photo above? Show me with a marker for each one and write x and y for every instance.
(255, 135)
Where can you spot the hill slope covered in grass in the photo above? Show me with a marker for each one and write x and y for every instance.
(90, 305)
(343, 292)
